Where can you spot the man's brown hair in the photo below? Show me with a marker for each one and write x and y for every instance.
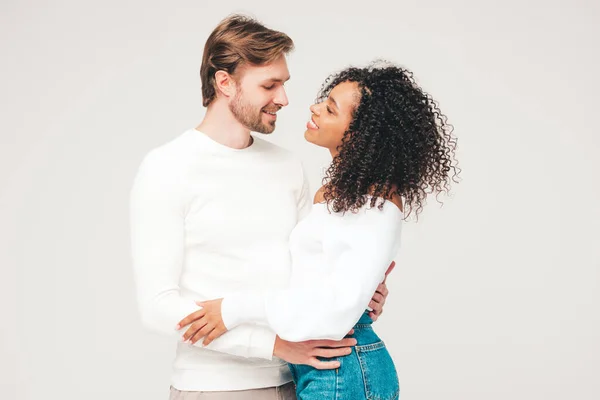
(238, 40)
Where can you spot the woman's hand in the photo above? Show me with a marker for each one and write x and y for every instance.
(206, 322)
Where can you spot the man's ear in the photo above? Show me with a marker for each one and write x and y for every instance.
(225, 84)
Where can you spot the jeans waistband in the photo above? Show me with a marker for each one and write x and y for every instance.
(364, 322)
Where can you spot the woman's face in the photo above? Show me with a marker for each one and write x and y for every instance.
(332, 117)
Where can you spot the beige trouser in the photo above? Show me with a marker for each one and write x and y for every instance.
(283, 392)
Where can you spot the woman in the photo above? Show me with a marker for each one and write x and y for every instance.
(391, 147)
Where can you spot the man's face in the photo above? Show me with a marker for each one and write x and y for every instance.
(260, 94)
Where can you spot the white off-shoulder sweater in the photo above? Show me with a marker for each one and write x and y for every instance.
(338, 260)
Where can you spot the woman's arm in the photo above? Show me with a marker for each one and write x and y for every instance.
(360, 250)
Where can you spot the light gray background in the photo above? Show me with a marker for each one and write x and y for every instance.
(495, 295)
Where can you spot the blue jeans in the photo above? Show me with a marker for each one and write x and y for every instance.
(367, 373)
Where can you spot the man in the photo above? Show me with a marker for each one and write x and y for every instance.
(211, 213)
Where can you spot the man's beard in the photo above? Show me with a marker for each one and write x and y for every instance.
(248, 116)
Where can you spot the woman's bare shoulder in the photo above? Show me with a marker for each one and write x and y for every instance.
(397, 200)
(319, 198)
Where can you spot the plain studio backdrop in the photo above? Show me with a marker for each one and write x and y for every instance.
(496, 293)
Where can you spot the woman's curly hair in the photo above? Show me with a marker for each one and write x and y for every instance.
(397, 143)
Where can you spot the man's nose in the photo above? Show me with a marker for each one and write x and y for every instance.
(281, 98)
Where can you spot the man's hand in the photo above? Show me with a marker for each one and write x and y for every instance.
(380, 296)
(206, 322)
(307, 352)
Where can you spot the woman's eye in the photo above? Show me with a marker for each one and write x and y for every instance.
(269, 87)
(329, 110)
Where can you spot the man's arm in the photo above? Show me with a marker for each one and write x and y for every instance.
(157, 238)
(380, 296)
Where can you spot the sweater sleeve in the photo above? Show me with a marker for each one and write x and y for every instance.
(304, 201)
(157, 215)
(328, 306)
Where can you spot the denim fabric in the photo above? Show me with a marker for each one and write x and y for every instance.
(367, 373)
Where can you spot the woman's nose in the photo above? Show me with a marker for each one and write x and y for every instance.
(314, 109)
